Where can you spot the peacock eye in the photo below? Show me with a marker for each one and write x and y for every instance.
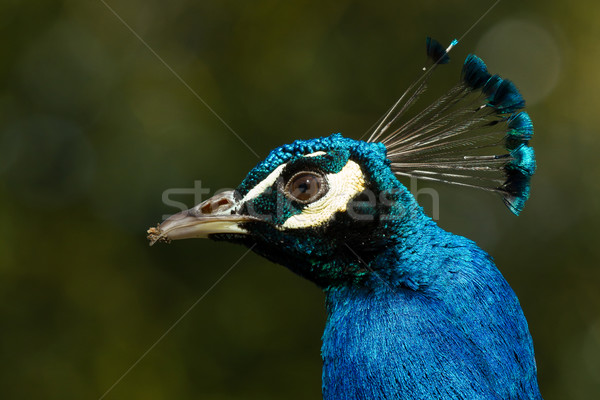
(306, 187)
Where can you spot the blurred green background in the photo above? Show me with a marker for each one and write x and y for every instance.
(93, 129)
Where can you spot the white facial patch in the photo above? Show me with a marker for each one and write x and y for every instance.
(343, 186)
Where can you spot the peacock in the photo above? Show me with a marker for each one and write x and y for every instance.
(413, 311)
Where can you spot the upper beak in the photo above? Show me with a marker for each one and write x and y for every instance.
(215, 215)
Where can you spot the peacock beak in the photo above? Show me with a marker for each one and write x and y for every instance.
(215, 215)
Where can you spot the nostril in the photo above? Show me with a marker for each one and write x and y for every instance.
(206, 208)
(223, 202)
(216, 205)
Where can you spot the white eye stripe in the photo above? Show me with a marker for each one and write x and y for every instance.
(316, 154)
(343, 186)
(264, 184)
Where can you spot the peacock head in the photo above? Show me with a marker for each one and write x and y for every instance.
(327, 208)
(322, 207)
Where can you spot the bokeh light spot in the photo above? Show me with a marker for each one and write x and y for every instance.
(525, 53)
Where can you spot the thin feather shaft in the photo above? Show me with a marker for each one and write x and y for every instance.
(429, 178)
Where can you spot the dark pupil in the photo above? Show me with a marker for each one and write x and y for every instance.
(305, 186)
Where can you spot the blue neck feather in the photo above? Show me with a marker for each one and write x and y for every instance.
(455, 331)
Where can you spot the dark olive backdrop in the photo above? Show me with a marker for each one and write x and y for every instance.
(94, 127)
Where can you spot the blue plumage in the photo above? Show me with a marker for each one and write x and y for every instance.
(461, 336)
(523, 160)
(491, 86)
(519, 172)
(506, 98)
(517, 190)
(414, 312)
(475, 73)
(520, 130)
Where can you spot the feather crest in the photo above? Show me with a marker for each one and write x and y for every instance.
(473, 136)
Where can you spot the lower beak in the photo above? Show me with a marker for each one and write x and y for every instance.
(215, 215)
